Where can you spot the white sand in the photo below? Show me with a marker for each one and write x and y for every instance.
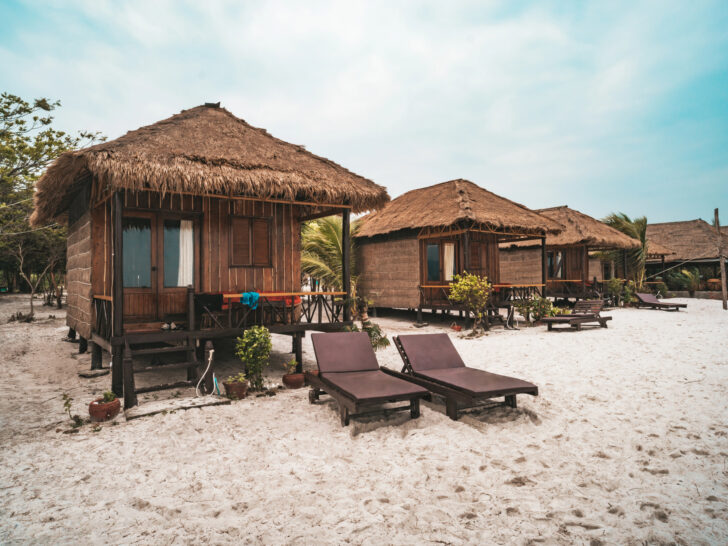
(626, 443)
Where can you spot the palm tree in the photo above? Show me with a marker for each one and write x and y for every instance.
(636, 257)
(322, 251)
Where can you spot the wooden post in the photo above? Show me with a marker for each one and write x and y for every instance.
(96, 363)
(298, 349)
(345, 258)
(82, 345)
(624, 264)
(71, 334)
(543, 266)
(117, 296)
(585, 273)
(130, 397)
(721, 257)
(466, 252)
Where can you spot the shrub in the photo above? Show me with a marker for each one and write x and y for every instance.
(628, 292)
(378, 339)
(109, 396)
(473, 292)
(253, 348)
(238, 378)
(536, 308)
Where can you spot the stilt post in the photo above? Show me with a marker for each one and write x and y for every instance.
(721, 257)
(117, 297)
(346, 259)
(543, 265)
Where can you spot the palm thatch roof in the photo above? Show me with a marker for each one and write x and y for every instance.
(580, 229)
(449, 203)
(204, 150)
(691, 240)
(656, 250)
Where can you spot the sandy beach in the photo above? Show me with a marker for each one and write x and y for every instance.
(627, 443)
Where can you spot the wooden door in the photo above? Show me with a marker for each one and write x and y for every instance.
(161, 258)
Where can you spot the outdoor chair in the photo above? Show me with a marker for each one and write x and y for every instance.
(651, 302)
(585, 312)
(348, 371)
(431, 361)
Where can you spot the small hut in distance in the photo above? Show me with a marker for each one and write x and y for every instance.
(409, 250)
(567, 253)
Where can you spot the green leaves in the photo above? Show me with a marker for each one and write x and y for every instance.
(254, 348)
(636, 258)
(473, 292)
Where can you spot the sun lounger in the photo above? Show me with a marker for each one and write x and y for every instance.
(431, 360)
(651, 302)
(585, 312)
(348, 371)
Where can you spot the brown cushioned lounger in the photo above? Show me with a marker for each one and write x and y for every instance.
(651, 302)
(432, 361)
(349, 372)
(585, 312)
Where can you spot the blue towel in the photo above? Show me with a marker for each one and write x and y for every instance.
(250, 299)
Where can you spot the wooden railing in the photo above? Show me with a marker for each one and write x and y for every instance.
(276, 308)
(436, 295)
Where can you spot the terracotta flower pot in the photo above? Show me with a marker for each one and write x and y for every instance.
(236, 390)
(294, 380)
(103, 411)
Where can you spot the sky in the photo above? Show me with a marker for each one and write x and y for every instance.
(603, 106)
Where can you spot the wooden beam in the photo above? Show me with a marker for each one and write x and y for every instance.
(721, 257)
(345, 258)
(543, 265)
(117, 294)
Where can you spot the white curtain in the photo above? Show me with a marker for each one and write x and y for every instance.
(186, 254)
(448, 257)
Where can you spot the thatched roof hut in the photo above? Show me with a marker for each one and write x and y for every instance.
(450, 203)
(580, 229)
(203, 150)
(691, 240)
(410, 250)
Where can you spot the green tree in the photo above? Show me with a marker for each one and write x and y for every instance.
(322, 253)
(473, 292)
(636, 257)
(28, 143)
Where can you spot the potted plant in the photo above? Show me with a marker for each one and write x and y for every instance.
(104, 408)
(236, 386)
(293, 380)
(253, 348)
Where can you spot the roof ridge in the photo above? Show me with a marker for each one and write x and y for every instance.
(464, 198)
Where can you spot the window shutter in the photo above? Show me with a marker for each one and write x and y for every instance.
(261, 242)
(241, 241)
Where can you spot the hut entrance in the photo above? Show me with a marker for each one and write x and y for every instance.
(159, 263)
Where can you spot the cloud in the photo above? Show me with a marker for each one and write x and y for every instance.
(541, 103)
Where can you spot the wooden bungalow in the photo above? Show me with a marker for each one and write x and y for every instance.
(170, 224)
(568, 272)
(409, 250)
(693, 243)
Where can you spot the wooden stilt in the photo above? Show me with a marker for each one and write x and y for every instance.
(117, 371)
(96, 361)
(298, 349)
(82, 345)
(346, 265)
(71, 333)
(130, 397)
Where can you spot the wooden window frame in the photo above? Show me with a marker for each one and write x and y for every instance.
(440, 242)
(252, 219)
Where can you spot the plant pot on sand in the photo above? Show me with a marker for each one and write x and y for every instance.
(236, 387)
(294, 380)
(99, 410)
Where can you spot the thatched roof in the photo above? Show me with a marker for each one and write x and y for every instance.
(656, 250)
(580, 229)
(688, 240)
(448, 203)
(204, 150)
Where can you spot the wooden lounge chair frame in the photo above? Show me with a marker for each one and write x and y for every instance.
(585, 312)
(330, 363)
(456, 400)
(641, 302)
(350, 408)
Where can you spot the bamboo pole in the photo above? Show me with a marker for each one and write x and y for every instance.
(721, 257)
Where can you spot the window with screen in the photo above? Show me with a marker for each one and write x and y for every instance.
(555, 262)
(250, 241)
